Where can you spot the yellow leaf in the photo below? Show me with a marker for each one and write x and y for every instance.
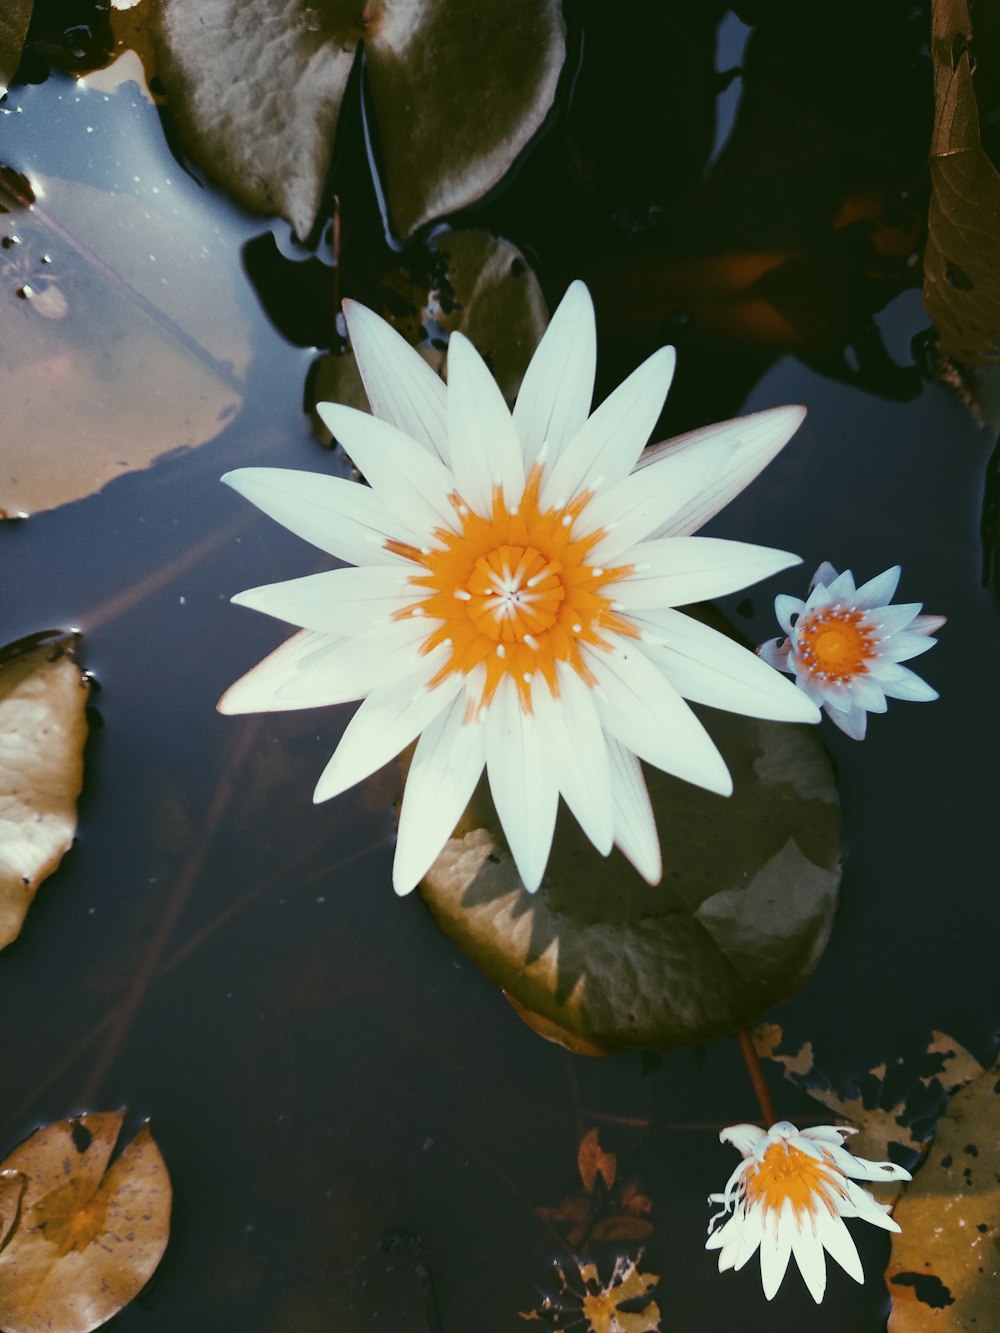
(603, 1308)
(592, 1162)
(87, 1240)
(943, 1271)
(43, 694)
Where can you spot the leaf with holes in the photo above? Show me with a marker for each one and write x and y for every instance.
(89, 1236)
(942, 1273)
(43, 695)
(737, 925)
(962, 257)
(457, 90)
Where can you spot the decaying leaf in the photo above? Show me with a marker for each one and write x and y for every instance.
(89, 1237)
(943, 1271)
(43, 695)
(12, 1185)
(457, 91)
(476, 283)
(15, 16)
(962, 257)
(959, 1066)
(599, 1212)
(737, 924)
(601, 1305)
(122, 336)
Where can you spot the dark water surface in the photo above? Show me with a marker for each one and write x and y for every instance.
(357, 1126)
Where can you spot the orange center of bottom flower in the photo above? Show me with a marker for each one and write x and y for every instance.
(514, 592)
(787, 1172)
(835, 645)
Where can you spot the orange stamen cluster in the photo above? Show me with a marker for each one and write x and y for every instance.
(513, 592)
(835, 644)
(786, 1172)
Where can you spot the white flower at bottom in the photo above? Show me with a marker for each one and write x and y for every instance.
(789, 1196)
(845, 644)
(515, 592)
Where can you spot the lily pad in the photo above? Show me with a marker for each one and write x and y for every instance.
(737, 925)
(962, 257)
(942, 1274)
(14, 19)
(43, 694)
(477, 283)
(89, 1238)
(458, 90)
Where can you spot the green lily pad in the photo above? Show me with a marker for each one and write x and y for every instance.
(477, 283)
(14, 19)
(962, 256)
(737, 925)
(942, 1274)
(458, 90)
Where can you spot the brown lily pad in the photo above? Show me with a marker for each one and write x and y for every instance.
(89, 1237)
(43, 695)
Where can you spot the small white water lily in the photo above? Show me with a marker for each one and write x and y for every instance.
(845, 644)
(789, 1196)
(514, 599)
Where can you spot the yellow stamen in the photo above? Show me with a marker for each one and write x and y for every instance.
(513, 591)
(835, 644)
(786, 1172)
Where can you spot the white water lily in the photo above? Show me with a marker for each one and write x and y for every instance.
(789, 1196)
(845, 645)
(513, 601)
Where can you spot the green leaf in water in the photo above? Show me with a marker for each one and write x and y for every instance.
(737, 924)
(458, 90)
(15, 16)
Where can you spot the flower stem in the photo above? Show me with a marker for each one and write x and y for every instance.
(760, 1088)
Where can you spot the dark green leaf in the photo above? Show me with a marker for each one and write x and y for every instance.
(14, 18)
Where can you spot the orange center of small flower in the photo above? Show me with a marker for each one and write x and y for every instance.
(835, 644)
(787, 1172)
(514, 592)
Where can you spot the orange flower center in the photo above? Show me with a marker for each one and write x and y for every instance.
(787, 1172)
(835, 644)
(514, 592)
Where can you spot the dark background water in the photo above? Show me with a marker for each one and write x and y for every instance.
(357, 1126)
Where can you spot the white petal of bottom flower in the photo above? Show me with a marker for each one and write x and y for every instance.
(635, 828)
(839, 1243)
(386, 722)
(524, 789)
(809, 1254)
(639, 706)
(775, 1249)
(446, 766)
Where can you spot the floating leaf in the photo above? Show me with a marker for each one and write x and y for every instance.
(942, 1274)
(88, 1238)
(602, 1305)
(457, 89)
(12, 1185)
(43, 694)
(962, 257)
(14, 19)
(122, 338)
(599, 1211)
(959, 1066)
(477, 283)
(736, 926)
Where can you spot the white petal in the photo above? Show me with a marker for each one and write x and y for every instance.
(635, 828)
(446, 766)
(344, 602)
(638, 706)
(810, 1257)
(825, 575)
(853, 723)
(878, 591)
(838, 1242)
(785, 608)
(340, 517)
(401, 386)
(775, 653)
(743, 1137)
(892, 619)
(523, 787)
(866, 694)
(908, 643)
(675, 571)
(775, 1251)
(842, 588)
(710, 668)
(390, 717)
(483, 443)
(412, 483)
(927, 624)
(558, 385)
(860, 1203)
(899, 682)
(860, 1168)
(728, 456)
(573, 743)
(314, 670)
(606, 449)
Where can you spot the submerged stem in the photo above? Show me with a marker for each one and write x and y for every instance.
(760, 1088)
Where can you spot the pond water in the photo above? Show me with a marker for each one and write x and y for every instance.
(358, 1127)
